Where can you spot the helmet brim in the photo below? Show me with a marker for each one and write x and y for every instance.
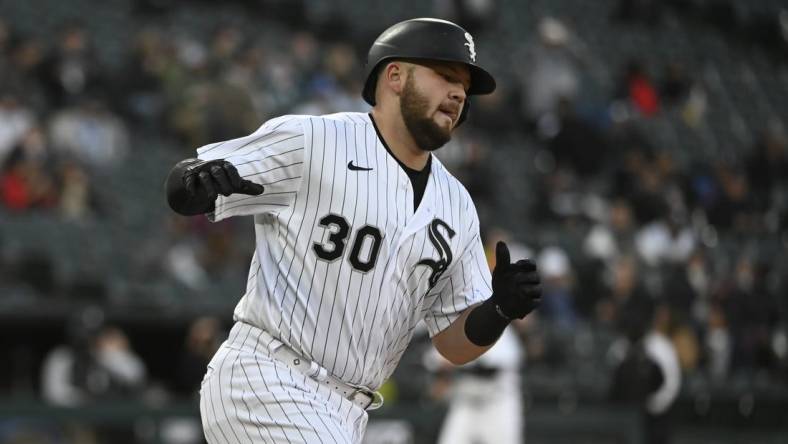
(482, 82)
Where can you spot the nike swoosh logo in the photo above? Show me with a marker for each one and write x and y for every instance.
(353, 167)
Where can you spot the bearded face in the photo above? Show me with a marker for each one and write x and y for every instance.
(418, 116)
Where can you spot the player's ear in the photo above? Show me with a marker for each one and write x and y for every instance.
(394, 76)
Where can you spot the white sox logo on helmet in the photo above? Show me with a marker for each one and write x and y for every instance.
(471, 46)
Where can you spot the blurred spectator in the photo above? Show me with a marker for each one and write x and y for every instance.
(341, 63)
(552, 73)
(675, 84)
(766, 165)
(644, 183)
(718, 346)
(195, 261)
(625, 290)
(34, 146)
(672, 324)
(78, 198)
(577, 145)
(202, 341)
(639, 90)
(558, 303)
(649, 376)
(699, 278)
(225, 45)
(97, 363)
(694, 109)
(468, 162)
(498, 112)
(207, 110)
(733, 208)
(144, 75)
(247, 72)
(473, 15)
(337, 86)
(559, 198)
(326, 96)
(73, 69)
(281, 78)
(15, 120)
(185, 81)
(613, 237)
(228, 113)
(22, 73)
(665, 242)
(183, 264)
(26, 184)
(90, 133)
(688, 301)
(751, 309)
(220, 255)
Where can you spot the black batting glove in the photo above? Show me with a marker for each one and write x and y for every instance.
(193, 185)
(213, 177)
(517, 290)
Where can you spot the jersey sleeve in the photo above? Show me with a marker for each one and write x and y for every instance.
(468, 283)
(272, 156)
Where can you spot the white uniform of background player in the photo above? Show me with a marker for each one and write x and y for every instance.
(659, 348)
(343, 271)
(486, 408)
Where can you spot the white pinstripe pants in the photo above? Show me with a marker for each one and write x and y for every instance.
(249, 397)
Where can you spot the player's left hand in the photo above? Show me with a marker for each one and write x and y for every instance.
(217, 177)
(517, 289)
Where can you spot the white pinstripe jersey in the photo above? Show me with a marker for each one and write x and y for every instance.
(344, 268)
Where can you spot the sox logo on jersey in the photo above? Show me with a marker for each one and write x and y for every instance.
(444, 250)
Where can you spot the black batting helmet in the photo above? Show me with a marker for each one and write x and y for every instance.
(427, 39)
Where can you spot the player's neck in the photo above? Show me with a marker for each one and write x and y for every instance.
(399, 140)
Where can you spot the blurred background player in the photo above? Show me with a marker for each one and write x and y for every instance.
(485, 398)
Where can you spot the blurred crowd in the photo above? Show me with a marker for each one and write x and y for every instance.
(65, 114)
(630, 235)
(617, 220)
(56, 125)
(98, 363)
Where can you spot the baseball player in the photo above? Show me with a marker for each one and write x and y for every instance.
(360, 234)
(485, 398)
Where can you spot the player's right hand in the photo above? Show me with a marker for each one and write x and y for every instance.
(517, 290)
(213, 177)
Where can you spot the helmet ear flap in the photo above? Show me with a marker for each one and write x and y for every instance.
(370, 86)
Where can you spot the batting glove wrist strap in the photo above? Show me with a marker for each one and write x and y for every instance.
(485, 324)
(500, 312)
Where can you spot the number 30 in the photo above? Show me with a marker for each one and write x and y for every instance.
(335, 246)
